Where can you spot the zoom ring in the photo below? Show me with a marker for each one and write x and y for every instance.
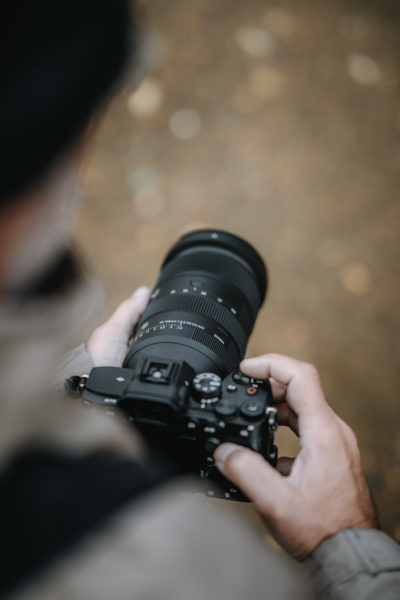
(203, 306)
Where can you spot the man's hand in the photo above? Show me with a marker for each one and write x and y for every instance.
(323, 490)
(108, 344)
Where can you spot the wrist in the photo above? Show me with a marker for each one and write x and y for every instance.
(311, 537)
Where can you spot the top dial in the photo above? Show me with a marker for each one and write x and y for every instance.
(207, 386)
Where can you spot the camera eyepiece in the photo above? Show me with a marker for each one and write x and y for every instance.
(204, 304)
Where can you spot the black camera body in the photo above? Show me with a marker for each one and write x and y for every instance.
(187, 415)
(179, 383)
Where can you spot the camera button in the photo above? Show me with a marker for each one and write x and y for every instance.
(252, 409)
(251, 391)
(238, 377)
(211, 444)
(209, 429)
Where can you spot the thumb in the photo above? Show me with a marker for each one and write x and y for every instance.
(127, 314)
(108, 344)
(264, 486)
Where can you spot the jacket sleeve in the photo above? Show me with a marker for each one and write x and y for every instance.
(356, 563)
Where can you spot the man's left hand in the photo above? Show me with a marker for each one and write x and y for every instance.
(108, 344)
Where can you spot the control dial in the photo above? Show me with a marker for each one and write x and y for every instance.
(207, 387)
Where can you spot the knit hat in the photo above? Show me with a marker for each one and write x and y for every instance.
(58, 58)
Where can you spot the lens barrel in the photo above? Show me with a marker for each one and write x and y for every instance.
(204, 305)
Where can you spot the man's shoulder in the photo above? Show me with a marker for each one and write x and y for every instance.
(170, 543)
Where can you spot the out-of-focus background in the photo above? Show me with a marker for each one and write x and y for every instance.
(278, 121)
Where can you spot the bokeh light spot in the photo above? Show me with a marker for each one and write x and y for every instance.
(255, 41)
(143, 178)
(356, 278)
(146, 100)
(363, 69)
(185, 124)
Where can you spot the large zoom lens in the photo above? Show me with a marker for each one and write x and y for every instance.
(204, 305)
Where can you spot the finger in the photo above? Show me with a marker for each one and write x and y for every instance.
(304, 391)
(278, 390)
(127, 314)
(284, 465)
(260, 482)
(287, 417)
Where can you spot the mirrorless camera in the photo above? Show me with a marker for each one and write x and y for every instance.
(180, 384)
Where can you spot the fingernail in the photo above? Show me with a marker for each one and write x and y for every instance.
(247, 362)
(141, 291)
(222, 453)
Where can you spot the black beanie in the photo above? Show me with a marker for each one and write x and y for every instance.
(58, 58)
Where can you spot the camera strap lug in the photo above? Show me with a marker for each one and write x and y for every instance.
(75, 385)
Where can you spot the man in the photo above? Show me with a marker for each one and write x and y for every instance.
(86, 510)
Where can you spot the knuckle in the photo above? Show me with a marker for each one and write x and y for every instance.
(347, 433)
(309, 370)
(350, 436)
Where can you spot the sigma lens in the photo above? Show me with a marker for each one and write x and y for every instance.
(204, 304)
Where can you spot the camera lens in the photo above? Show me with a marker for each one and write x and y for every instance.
(204, 304)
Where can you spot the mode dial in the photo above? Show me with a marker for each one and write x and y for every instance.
(207, 387)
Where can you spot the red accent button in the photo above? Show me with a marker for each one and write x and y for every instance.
(251, 391)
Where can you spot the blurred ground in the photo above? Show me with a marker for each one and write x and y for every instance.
(279, 122)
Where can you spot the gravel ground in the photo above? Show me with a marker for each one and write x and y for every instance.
(279, 122)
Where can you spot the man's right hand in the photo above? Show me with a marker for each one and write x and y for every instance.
(320, 492)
